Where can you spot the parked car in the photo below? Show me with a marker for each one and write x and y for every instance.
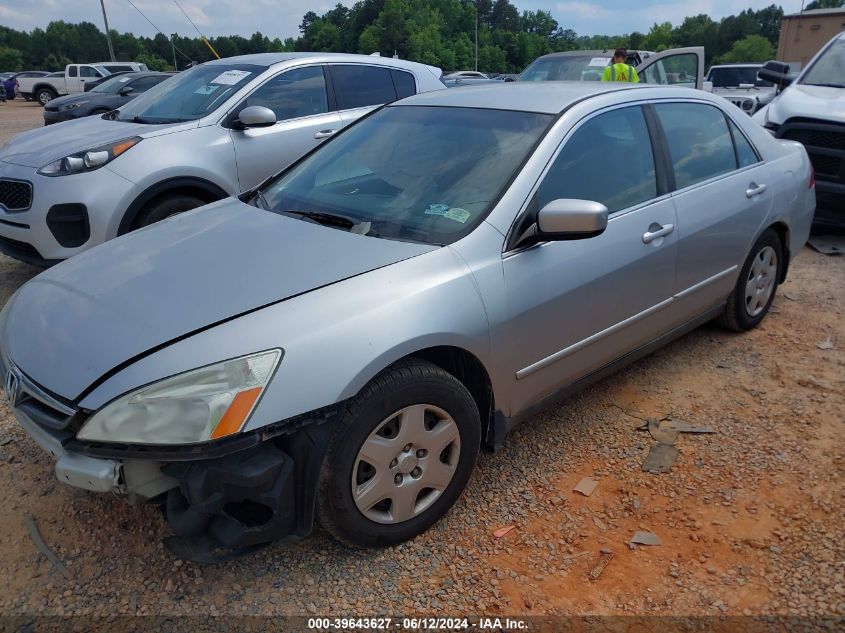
(466, 74)
(739, 84)
(341, 340)
(90, 85)
(677, 66)
(811, 109)
(210, 132)
(110, 95)
(26, 80)
(76, 76)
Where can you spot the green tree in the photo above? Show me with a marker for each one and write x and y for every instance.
(659, 37)
(10, 59)
(153, 61)
(825, 4)
(752, 48)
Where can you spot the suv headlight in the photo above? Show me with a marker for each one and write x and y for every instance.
(90, 159)
(203, 404)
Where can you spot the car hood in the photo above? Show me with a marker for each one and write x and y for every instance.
(41, 146)
(815, 102)
(73, 323)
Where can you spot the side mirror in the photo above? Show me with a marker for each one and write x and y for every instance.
(570, 219)
(254, 116)
(565, 219)
(707, 86)
(125, 90)
(509, 79)
(777, 73)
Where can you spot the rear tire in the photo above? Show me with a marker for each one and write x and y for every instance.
(755, 289)
(45, 95)
(375, 491)
(166, 207)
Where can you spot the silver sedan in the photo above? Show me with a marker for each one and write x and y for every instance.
(340, 342)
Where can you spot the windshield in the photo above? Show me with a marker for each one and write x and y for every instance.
(566, 68)
(828, 68)
(413, 173)
(732, 77)
(189, 95)
(111, 86)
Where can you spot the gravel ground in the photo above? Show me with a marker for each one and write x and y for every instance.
(750, 518)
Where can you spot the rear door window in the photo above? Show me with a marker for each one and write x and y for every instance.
(358, 86)
(588, 166)
(73, 71)
(700, 144)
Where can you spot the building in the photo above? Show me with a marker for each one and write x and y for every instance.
(802, 35)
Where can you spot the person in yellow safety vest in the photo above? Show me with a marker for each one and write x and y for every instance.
(618, 70)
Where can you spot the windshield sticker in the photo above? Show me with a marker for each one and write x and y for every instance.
(457, 214)
(205, 90)
(600, 62)
(231, 77)
(437, 209)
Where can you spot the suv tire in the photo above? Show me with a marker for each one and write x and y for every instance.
(165, 207)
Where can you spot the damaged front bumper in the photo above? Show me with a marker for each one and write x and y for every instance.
(233, 494)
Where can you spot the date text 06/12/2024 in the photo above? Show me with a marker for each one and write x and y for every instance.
(416, 624)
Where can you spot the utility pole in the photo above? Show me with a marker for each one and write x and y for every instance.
(476, 35)
(108, 33)
(173, 45)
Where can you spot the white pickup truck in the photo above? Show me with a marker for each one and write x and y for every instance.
(43, 89)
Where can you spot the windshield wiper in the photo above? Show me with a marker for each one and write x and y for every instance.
(827, 85)
(322, 217)
(140, 119)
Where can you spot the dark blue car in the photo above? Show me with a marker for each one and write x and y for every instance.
(109, 95)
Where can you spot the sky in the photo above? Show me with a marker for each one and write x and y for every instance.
(281, 18)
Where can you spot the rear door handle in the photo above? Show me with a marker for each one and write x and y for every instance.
(754, 189)
(324, 133)
(653, 233)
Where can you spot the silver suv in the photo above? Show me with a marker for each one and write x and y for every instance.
(209, 132)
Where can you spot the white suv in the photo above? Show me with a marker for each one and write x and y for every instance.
(207, 133)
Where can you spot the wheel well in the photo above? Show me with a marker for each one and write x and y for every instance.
(471, 372)
(205, 191)
(38, 87)
(782, 232)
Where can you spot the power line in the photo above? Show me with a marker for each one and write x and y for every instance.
(159, 30)
(202, 37)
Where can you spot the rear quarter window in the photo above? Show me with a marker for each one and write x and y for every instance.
(404, 83)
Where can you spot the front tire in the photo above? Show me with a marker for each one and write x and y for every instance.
(755, 289)
(165, 208)
(401, 456)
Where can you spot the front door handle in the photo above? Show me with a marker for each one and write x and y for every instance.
(754, 189)
(655, 231)
(324, 133)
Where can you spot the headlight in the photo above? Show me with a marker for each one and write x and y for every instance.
(90, 159)
(71, 106)
(199, 405)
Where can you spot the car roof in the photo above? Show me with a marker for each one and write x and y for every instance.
(547, 97)
(270, 59)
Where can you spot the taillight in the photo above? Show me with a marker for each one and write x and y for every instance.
(812, 177)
